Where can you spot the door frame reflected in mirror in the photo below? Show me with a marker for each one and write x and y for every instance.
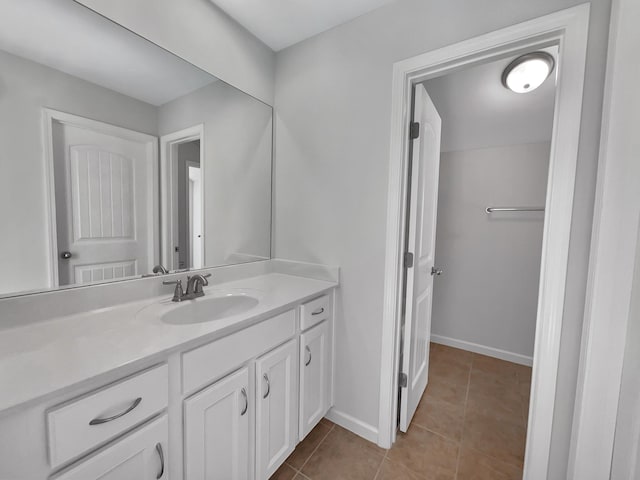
(169, 186)
(52, 117)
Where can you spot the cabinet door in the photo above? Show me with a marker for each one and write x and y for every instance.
(314, 377)
(138, 456)
(217, 430)
(276, 408)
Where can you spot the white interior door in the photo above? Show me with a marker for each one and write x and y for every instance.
(421, 233)
(195, 215)
(104, 205)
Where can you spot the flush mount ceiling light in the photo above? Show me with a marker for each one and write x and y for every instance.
(528, 72)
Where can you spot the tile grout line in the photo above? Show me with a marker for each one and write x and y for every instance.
(384, 457)
(464, 419)
(503, 461)
(314, 450)
(441, 435)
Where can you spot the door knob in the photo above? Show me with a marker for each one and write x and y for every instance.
(436, 271)
(66, 255)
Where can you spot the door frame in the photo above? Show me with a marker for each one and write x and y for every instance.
(49, 116)
(569, 30)
(615, 254)
(168, 155)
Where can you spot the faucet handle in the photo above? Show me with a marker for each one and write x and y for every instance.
(178, 293)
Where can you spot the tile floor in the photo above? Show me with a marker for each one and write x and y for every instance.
(470, 425)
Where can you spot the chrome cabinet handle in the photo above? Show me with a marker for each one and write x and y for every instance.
(266, 377)
(66, 255)
(318, 312)
(308, 350)
(436, 271)
(246, 401)
(98, 421)
(161, 455)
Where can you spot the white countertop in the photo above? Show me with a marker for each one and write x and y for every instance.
(47, 357)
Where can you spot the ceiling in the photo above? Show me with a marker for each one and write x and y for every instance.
(71, 38)
(281, 23)
(478, 111)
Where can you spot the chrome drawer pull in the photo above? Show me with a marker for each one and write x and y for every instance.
(98, 421)
(318, 312)
(306, 364)
(246, 401)
(266, 377)
(161, 455)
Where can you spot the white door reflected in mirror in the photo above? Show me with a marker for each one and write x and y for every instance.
(195, 216)
(104, 201)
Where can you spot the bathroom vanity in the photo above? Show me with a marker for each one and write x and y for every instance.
(227, 383)
(133, 171)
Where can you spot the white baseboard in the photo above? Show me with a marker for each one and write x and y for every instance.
(360, 428)
(483, 350)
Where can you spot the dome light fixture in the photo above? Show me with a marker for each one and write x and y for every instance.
(528, 72)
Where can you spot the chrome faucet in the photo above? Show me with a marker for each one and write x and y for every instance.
(194, 287)
(195, 284)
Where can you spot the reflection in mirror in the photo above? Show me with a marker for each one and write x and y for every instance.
(119, 156)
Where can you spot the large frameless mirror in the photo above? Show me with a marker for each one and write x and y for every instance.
(120, 158)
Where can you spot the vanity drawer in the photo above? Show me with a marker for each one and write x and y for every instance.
(210, 362)
(315, 311)
(91, 420)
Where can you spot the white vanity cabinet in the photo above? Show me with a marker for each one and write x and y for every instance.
(216, 438)
(232, 407)
(276, 407)
(290, 393)
(140, 455)
(315, 376)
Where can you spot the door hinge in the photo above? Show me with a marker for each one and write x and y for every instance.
(402, 380)
(408, 260)
(414, 130)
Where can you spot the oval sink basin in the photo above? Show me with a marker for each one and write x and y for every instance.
(213, 306)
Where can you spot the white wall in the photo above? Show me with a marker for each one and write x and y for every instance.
(236, 171)
(626, 452)
(332, 146)
(489, 290)
(201, 33)
(25, 88)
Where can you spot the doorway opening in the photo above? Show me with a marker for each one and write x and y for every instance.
(182, 176)
(566, 29)
(477, 181)
(189, 186)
